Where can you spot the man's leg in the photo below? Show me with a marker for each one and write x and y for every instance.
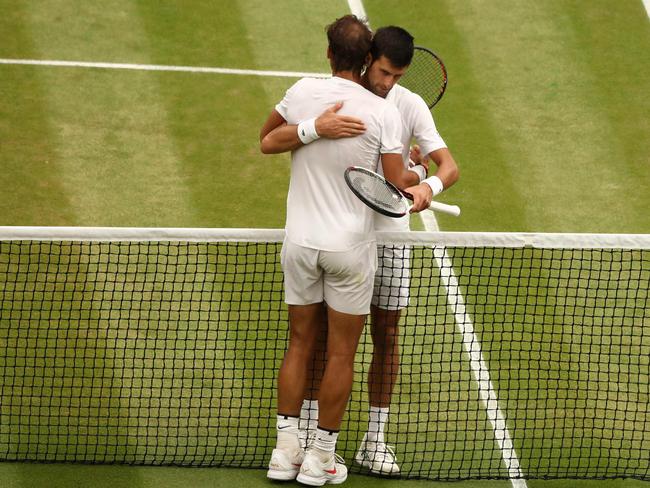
(344, 332)
(390, 296)
(309, 410)
(320, 465)
(304, 321)
(288, 455)
(384, 368)
(373, 453)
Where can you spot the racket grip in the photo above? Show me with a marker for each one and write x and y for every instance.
(444, 208)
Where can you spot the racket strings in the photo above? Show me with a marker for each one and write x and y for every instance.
(426, 76)
(378, 194)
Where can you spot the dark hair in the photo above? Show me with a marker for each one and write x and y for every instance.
(349, 41)
(395, 43)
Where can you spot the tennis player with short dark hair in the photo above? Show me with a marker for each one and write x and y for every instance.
(391, 51)
(329, 252)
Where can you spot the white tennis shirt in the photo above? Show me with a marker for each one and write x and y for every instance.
(322, 212)
(417, 123)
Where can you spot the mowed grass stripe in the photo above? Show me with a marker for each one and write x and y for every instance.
(33, 194)
(614, 44)
(541, 105)
(305, 20)
(215, 120)
(112, 137)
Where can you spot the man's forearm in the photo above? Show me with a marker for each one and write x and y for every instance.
(447, 169)
(396, 173)
(281, 139)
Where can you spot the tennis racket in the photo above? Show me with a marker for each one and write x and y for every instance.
(426, 76)
(384, 197)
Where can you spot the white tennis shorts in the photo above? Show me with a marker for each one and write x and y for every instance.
(393, 277)
(342, 279)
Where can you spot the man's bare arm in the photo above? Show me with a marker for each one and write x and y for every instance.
(272, 122)
(281, 139)
(447, 169)
(406, 180)
(330, 125)
(395, 172)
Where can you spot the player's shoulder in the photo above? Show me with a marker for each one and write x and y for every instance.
(308, 85)
(310, 82)
(403, 97)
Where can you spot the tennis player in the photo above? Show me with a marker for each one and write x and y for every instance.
(392, 50)
(329, 253)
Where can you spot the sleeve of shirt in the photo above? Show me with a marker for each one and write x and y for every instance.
(283, 107)
(425, 131)
(391, 131)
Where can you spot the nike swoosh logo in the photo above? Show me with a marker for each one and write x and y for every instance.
(331, 471)
(283, 427)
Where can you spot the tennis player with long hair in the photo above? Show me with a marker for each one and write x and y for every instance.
(329, 252)
(391, 53)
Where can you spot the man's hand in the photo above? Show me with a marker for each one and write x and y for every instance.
(421, 195)
(416, 157)
(333, 126)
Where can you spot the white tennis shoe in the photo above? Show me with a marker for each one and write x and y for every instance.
(285, 464)
(315, 472)
(377, 457)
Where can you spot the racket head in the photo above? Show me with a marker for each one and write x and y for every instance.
(426, 76)
(377, 193)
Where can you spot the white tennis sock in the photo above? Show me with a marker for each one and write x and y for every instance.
(325, 440)
(287, 429)
(377, 423)
(309, 415)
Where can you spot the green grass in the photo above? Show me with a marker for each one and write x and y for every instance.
(546, 114)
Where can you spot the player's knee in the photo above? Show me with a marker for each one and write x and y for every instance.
(302, 344)
(340, 359)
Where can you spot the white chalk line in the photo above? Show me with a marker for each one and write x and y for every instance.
(160, 67)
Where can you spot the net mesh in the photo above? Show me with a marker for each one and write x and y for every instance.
(515, 361)
(426, 76)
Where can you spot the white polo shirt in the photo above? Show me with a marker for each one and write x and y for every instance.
(322, 212)
(417, 123)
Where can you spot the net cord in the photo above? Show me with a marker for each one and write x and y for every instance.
(464, 239)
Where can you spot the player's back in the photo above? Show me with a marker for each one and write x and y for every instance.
(321, 211)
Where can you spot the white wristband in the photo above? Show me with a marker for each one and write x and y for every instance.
(419, 170)
(435, 183)
(307, 131)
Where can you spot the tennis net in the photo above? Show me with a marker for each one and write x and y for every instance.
(522, 355)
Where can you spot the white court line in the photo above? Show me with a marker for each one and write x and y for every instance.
(472, 347)
(356, 7)
(159, 67)
(646, 4)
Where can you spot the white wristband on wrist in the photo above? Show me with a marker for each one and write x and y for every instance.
(419, 170)
(307, 131)
(435, 183)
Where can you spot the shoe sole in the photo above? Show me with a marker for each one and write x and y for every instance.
(278, 475)
(312, 481)
(368, 465)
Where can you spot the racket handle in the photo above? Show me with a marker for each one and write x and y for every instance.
(444, 208)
